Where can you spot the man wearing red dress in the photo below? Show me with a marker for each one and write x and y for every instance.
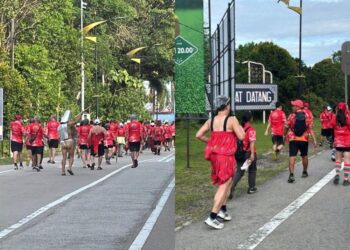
(134, 138)
(53, 138)
(16, 134)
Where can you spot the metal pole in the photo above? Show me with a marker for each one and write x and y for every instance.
(300, 90)
(264, 80)
(346, 89)
(229, 54)
(249, 74)
(12, 43)
(219, 61)
(188, 140)
(96, 87)
(234, 55)
(211, 62)
(82, 57)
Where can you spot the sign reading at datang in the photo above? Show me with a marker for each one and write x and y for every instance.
(189, 57)
(256, 96)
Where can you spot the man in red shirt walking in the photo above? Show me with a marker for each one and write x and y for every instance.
(53, 138)
(134, 138)
(16, 136)
(299, 126)
(83, 132)
(277, 122)
(96, 138)
(326, 124)
(36, 133)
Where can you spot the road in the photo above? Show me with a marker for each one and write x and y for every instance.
(103, 209)
(312, 213)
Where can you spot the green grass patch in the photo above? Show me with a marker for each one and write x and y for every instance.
(194, 191)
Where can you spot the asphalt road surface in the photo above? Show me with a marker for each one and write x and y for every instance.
(312, 213)
(103, 209)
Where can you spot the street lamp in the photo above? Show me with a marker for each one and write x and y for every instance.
(298, 10)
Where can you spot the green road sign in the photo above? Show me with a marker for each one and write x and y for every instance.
(184, 50)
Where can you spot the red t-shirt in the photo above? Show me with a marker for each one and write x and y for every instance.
(109, 138)
(83, 133)
(341, 134)
(35, 128)
(158, 133)
(326, 119)
(134, 131)
(121, 132)
(172, 129)
(277, 120)
(52, 132)
(17, 131)
(167, 132)
(291, 123)
(113, 127)
(250, 136)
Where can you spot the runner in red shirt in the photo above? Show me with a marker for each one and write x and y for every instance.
(83, 132)
(167, 136)
(309, 112)
(113, 127)
(250, 153)
(299, 127)
(151, 137)
(134, 138)
(96, 138)
(326, 118)
(121, 139)
(16, 135)
(173, 131)
(36, 134)
(277, 122)
(109, 144)
(53, 138)
(341, 124)
(158, 134)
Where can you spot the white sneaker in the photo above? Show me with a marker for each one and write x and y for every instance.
(224, 215)
(214, 223)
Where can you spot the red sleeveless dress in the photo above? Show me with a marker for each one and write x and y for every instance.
(220, 150)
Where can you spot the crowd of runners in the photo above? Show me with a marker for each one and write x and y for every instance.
(90, 140)
(231, 146)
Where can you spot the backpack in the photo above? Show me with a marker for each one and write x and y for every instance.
(299, 124)
(240, 152)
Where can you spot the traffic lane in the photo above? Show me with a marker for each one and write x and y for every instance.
(250, 212)
(107, 216)
(322, 223)
(163, 234)
(24, 191)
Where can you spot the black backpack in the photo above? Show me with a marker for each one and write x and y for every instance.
(240, 152)
(299, 124)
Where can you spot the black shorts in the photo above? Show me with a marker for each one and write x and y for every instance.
(37, 150)
(134, 146)
(278, 140)
(29, 147)
(295, 146)
(327, 132)
(101, 151)
(84, 146)
(109, 146)
(157, 143)
(53, 143)
(343, 149)
(16, 146)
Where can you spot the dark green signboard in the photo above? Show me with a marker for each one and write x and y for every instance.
(189, 57)
(184, 50)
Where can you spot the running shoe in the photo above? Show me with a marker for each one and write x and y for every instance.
(305, 174)
(92, 166)
(70, 172)
(336, 180)
(49, 161)
(15, 166)
(252, 190)
(224, 215)
(333, 155)
(291, 179)
(36, 168)
(41, 167)
(99, 168)
(214, 223)
(346, 183)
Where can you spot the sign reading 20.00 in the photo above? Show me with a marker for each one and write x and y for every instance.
(184, 50)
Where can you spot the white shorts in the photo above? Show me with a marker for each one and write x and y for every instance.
(121, 140)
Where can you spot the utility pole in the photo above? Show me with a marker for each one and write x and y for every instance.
(82, 7)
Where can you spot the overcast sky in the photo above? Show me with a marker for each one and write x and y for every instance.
(326, 25)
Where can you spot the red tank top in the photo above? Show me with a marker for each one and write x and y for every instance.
(134, 131)
(83, 132)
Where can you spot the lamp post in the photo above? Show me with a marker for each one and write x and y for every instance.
(298, 10)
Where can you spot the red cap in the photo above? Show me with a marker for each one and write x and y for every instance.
(342, 106)
(298, 103)
(18, 117)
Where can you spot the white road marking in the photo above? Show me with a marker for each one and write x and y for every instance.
(255, 239)
(166, 157)
(6, 171)
(152, 219)
(64, 198)
(170, 159)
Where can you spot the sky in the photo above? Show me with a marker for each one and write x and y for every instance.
(326, 25)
